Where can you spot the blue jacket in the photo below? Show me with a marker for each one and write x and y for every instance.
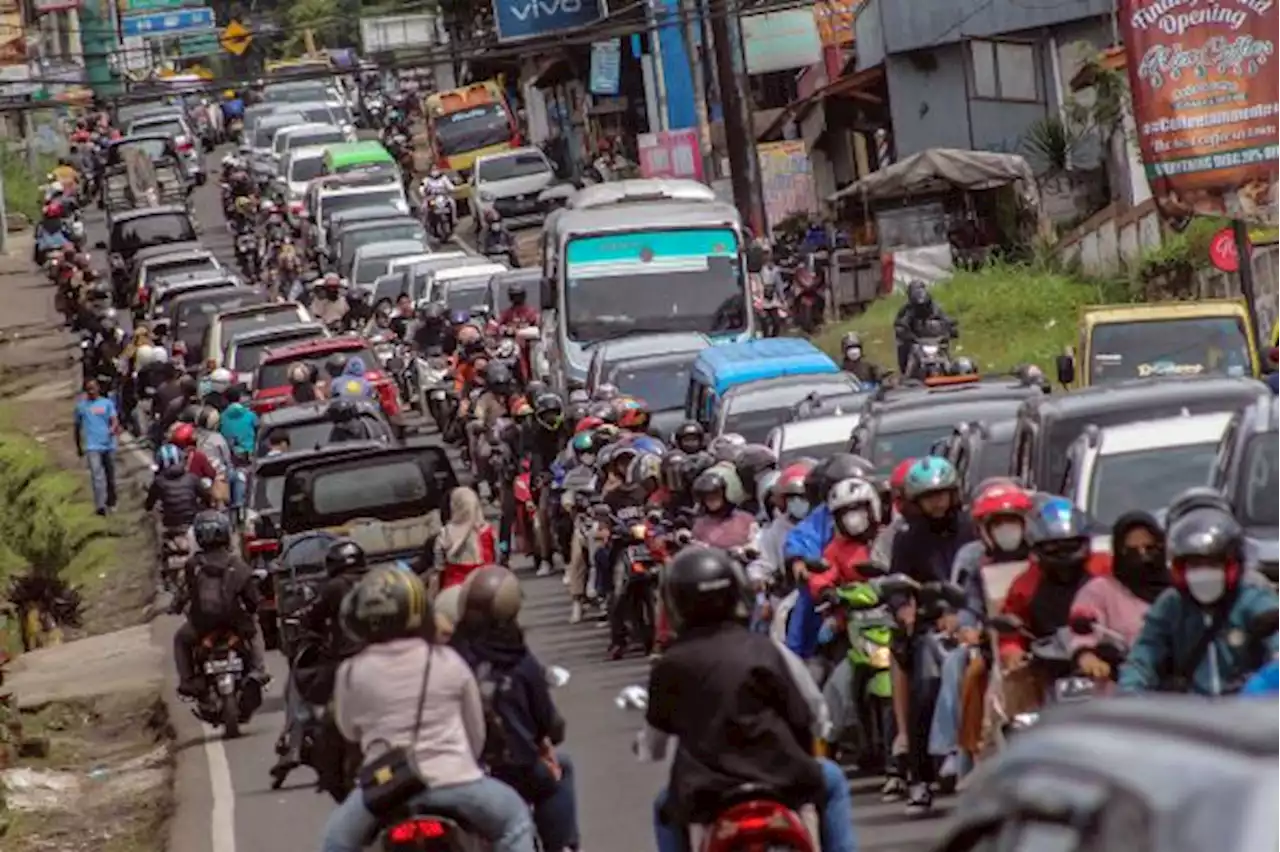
(807, 541)
(352, 381)
(1265, 681)
(233, 108)
(1173, 628)
(239, 425)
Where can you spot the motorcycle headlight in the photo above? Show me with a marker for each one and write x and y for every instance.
(930, 350)
(880, 657)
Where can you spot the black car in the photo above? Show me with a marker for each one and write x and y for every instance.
(133, 231)
(1048, 425)
(1246, 472)
(980, 449)
(308, 426)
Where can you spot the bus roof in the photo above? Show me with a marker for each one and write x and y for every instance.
(464, 97)
(732, 364)
(655, 215)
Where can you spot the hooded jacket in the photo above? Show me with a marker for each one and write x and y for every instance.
(239, 425)
(177, 491)
(352, 382)
(806, 542)
(925, 554)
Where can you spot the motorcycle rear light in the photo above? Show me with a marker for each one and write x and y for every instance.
(258, 546)
(183, 143)
(419, 829)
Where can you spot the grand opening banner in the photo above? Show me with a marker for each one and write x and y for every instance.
(1205, 84)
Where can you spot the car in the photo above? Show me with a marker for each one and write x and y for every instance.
(324, 198)
(372, 259)
(1140, 466)
(228, 324)
(174, 125)
(358, 233)
(172, 182)
(1047, 425)
(980, 450)
(298, 168)
(815, 437)
(191, 313)
(163, 294)
(1245, 470)
(753, 409)
(511, 183)
(465, 288)
(652, 367)
(133, 231)
(340, 220)
(1160, 773)
(169, 264)
(327, 111)
(308, 426)
(271, 380)
(246, 348)
(424, 271)
(311, 135)
(257, 148)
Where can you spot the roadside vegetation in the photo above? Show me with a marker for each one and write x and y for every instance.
(22, 184)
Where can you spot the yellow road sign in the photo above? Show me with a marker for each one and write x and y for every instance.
(236, 38)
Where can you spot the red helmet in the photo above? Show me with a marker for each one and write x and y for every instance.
(632, 413)
(792, 479)
(184, 435)
(53, 210)
(898, 478)
(586, 424)
(1000, 497)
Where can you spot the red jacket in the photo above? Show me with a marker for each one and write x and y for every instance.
(454, 573)
(842, 554)
(1023, 590)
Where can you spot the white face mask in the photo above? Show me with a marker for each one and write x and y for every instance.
(797, 508)
(853, 353)
(1007, 537)
(855, 522)
(1206, 585)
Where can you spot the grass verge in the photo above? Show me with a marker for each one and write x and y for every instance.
(22, 192)
(1008, 315)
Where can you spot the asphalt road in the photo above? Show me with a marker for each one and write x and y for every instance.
(225, 803)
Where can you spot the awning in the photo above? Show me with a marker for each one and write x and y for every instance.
(856, 86)
(940, 170)
(554, 70)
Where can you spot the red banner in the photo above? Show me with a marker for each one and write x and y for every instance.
(670, 154)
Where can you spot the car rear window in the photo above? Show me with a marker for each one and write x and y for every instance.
(249, 354)
(1146, 480)
(170, 127)
(364, 490)
(306, 168)
(892, 447)
(275, 318)
(154, 230)
(193, 316)
(329, 204)
(312, 434)
(662, 386)
(160, 271)
(268, 493)
(463, 295)
(275, 373)
(316, 137)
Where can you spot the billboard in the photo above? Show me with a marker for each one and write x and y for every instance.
(670, 154)
(396, 32)
(517, 19)
(779, 41)
(1206, 96)
(787, 179)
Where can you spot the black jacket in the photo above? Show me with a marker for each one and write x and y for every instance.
(321, 618)
(927, 552)
(729, 697)
(240, 597)
(542, 446)
(176, 491)
(909, 323)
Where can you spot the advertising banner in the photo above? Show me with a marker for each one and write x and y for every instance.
(1205, 83)
(835, 20)
(779, 41)
(606, 66)
(520, 19)
(787, 178)
(670, 154)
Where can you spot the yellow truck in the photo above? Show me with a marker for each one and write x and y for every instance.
(1119, 342)
(468, 122)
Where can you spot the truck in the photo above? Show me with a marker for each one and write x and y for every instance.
(467, 122)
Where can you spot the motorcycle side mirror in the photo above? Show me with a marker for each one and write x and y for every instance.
(1263, 625)
(101, 245)
(557, 676)
(653, 517)
(1066, 365)
(1006, 624)
(871, 569)
(633, 698)
(683, 536)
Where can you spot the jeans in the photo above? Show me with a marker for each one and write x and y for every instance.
(102, 475)
(555, 803)
(836, 810)
(490, 807)
(945, 729)
(238, 483)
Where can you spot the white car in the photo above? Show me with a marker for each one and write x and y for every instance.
(512, 183)
(298, 168)
(1140, 466)
(309, 135)
(816, 437)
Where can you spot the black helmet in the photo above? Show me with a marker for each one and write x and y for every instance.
(838, 467)
(497, 375)
(548, 410)
(918, 293)
(344, 556)
(516, 293)
(709, 482)
(690, 437)
(342, 410)
(334, 365)
(434, 313)
(703, 586)
(752, 462)
(490, 595)
(212, 529)
(850, 340)
(1195, 497)
(190, 414)
(386, 604)
(1206, 532)
(675, 466)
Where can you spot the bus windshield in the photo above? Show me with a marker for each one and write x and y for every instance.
(472, 129)
(1171, 347)
(654, 281)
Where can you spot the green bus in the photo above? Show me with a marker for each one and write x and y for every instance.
(355, 157)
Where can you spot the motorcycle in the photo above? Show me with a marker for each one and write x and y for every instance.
(771, 312)
(639, 567)
(229, 697)
(808, 300)
(929, 358)
(175, 549)
(436, 394)
(247, 255)
(235, 129)
(440, 222)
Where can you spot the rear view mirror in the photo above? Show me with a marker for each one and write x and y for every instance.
(1066, 365)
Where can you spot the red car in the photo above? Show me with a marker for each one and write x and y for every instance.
(271, 386)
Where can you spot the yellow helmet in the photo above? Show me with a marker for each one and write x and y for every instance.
(229, 95)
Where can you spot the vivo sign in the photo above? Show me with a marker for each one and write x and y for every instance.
(517, 19)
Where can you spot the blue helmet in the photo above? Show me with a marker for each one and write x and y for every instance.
(648, 444)
(1056, 519)
(168, 456)
(929, 474)
(460, 317)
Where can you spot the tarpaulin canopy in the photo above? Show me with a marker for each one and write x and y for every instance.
(940, 170)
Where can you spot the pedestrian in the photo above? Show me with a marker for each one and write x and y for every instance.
(97, 424)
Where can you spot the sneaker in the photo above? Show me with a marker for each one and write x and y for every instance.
(894, 789)
(575, 612)
(919, 800)
(544, 570)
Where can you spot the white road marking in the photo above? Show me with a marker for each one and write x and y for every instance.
(222, 816)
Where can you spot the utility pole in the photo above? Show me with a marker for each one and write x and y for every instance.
(689, 13)
(744, 167)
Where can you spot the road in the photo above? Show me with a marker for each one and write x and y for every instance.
(225, 803)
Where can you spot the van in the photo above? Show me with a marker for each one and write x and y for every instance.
(351, 157)
(719, 369)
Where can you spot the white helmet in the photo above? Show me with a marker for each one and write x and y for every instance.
(848, 493)
(267, 206)
(221, 379)
(228, 160)
(144, 356)
(161, 355)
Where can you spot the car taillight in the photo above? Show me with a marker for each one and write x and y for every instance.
(183, 143)
(418, 829)
(179, 348)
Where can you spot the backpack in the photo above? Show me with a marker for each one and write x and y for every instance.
(491, 683)
(210, 604)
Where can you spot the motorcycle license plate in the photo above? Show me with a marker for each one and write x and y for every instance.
(638, 554)
(437, 394)
(234, 664)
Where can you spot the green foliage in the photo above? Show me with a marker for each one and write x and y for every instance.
(1168, 270)
(1052, 140)
(1009, 314)
(22, 192)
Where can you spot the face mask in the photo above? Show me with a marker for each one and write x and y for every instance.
(797, 508)
(1206, 585)
(853, 353)
(587, 458)
(1007, 537)
(855, 522)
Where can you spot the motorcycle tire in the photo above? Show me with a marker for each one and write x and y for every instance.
(230, 712)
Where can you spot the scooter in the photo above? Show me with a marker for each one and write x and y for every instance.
(230, 696)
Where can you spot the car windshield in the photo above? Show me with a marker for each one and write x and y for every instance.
(654, 281)
(267, 130)
(349, 242)
(756, 424)
(145, 231)
(517, 165)
(268, 493)
(275, 374)
(368, 269)
(1146, 480)
(662, 386)
(811, 451)
(1174, 347)
(994, 460)
(309, 434)
(320, 114)
(466, 295)
(249, 354)
(892, 447)
(470, 129)
(305, 168)
(169, 127)
(346, 201)
(314, 137)
(1259, 482)
(174, 268)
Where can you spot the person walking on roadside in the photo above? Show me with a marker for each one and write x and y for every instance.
(97, 424)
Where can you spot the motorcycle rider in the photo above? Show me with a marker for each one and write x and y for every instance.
(910, 321)
(352, 384)
(438, 183)
(720, 523)
(1195, 637)
(882, 550)
(690, 437)
(222, 595)
(937, 526)
(715, 661)
(541, 442)
(432, 330)
(302, 383)
(404, 691)
(524, 731)
(328, 304)
(348, 425)
(855, 364)
(497, 239)
(518, 313)
(238, 424)
(176, 491)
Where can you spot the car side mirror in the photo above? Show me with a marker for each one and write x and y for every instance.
(1066, 365)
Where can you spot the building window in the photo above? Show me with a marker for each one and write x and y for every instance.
(1004, 70)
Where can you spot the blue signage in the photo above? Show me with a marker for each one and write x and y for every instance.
(517, 19)
(167, 23)
(606, 66)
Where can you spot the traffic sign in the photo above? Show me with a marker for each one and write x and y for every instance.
(236, 38)
(167, 23)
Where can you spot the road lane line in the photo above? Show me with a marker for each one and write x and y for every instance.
(222, 816)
